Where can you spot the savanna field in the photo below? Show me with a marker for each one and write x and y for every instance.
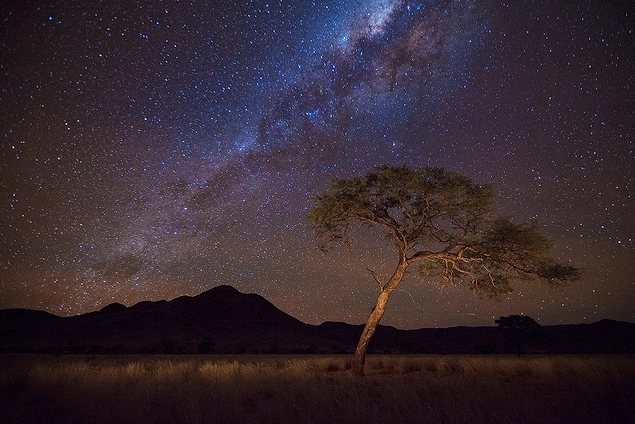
(317, 389)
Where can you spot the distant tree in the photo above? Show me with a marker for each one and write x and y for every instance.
(439, 220)
(518, 330)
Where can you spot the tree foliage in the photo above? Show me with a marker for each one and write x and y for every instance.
(517, 323)
(441, 221)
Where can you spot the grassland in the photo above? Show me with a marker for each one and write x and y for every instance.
(317, 389)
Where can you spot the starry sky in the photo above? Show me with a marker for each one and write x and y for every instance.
(154, 149)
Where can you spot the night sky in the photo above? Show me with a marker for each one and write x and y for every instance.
(157, 149)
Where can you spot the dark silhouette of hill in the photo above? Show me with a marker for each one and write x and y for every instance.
(223, 320)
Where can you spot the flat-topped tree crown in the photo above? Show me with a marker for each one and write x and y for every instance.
(441, 221)
(412, 204)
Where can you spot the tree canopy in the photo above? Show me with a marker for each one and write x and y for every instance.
(441, 221)
(517, 322)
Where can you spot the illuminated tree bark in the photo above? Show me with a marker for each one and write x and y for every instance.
(374, 318)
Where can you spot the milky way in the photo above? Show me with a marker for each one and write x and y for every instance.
(160, 149)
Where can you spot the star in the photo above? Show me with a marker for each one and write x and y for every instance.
(154, 151)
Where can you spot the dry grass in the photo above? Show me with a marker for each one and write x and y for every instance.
(317, 389)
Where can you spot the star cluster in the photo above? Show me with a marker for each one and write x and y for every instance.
(158, 149)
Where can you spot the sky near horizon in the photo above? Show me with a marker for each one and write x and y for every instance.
(157, 149)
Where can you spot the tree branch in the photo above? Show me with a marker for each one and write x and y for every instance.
(376, 277)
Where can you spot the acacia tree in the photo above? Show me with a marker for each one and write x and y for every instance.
(439, 220)
(518, 329)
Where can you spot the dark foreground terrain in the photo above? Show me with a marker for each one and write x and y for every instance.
(317, 389)
(224, 321)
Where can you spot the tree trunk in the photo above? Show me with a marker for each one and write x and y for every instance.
(375, 316)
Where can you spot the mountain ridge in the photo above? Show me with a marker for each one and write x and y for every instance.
(224, 320)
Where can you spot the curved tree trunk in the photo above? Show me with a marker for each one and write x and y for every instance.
(375, 316)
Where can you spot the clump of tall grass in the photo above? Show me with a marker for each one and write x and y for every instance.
(316, 389)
